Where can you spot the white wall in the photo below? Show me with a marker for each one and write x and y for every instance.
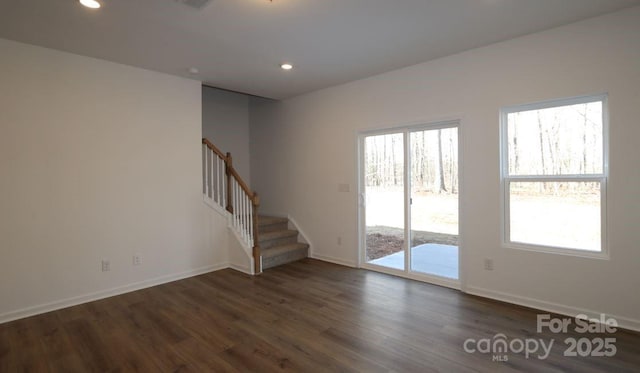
(97, 160)
(225, 122)
(304, 147)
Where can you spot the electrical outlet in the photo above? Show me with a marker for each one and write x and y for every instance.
(339, 240)
(137, 260)
(106, 265)
(488, 264)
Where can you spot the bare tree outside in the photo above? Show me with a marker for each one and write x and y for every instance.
(563, 141)
(434, 185)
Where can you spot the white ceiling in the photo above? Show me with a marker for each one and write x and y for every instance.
(239, 44)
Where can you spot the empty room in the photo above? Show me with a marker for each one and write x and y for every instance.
(319, 186)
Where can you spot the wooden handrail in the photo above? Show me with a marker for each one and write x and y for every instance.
(232, 171)
(215, 149)
(242, 184)
(253, 197)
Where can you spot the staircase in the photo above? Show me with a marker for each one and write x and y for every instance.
(267, 239)
(279, 244)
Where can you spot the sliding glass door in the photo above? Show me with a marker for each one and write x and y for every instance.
(434, 202)
(384, 193)
(409, 202)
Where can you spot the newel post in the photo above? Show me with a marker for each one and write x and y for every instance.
(257, 261)
(228, 165)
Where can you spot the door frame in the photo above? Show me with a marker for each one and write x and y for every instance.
(406, 273)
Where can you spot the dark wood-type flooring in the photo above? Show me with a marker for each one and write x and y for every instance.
(307, 316)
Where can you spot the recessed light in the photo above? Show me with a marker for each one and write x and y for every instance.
(93, 4)
(286, 66)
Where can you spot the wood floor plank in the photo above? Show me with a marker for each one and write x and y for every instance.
(308, 316)
(201, 358)
(255, 355)
(89, 345)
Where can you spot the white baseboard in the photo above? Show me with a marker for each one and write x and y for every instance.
(74, 301)
(333, 260)
(623, 322)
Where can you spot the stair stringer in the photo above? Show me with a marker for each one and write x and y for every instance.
(302, 237)
(239, 253)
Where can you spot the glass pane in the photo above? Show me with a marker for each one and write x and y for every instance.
(563, 140)
(556, 214)
(384, 192)
(434, 202)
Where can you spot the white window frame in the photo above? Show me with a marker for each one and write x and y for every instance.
(506, 179)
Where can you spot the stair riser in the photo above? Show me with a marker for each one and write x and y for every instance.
(279, 244)
(278, 241)
(289, 257)
(273, 227)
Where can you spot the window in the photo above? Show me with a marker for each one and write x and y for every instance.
(554, 175)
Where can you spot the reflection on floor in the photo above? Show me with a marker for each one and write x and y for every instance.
(431, 258)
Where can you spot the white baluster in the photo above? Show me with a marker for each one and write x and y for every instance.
(248, 229)
(244, 236)
(235, 202)
(248, 218)
(240, 207)
(233, 199)
(250, 224)
(240, 210)
(204, 169)
(216, 188)
(214, 180)
(242, 216)
(245, 214)
(218, 191)
(209, 173)
(213, 177)
(223, 183)
(210, 179)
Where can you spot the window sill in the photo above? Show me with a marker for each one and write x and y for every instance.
(600, 255)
